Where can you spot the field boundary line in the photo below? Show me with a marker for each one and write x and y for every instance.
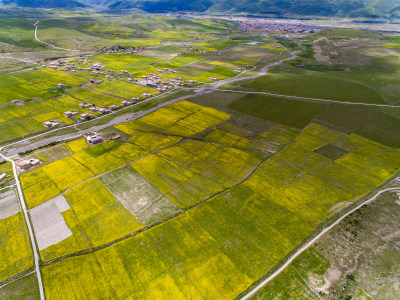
(255, 289)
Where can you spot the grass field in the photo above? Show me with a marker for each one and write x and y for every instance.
(312, 86)
(24, 288)
(288, 112)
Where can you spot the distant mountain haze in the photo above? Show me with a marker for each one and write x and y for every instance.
(328, 8)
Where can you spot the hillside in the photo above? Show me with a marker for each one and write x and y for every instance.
(340, 8)
(276, 8)
(45, 4)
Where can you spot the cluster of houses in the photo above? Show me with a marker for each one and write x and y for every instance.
(265, 25)
(62, 65)
(119, 49)
(178, 81)
(216, 52)
(238, 70)
(166, 70)
(29, 163)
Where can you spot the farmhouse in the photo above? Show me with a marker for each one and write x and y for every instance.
(112, 107)
(124, 102)
(3, 176)
(85, 105)
(71, 113)
(94, 139)
(85, 116)
(51, 123)
(27, 164)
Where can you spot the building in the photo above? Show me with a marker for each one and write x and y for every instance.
(85, 116)
(85, 105)
(3, 176)
(71, 113)
(124, 102)
(51, 123)
(27, 164)
(96, 140)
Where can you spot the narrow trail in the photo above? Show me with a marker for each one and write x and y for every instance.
(28, 223)
(312, 241)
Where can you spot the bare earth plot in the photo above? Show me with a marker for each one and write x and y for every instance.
(138, 196)
(48, 222)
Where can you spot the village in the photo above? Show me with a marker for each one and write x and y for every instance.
(152, 80)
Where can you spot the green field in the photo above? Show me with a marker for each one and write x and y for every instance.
(288, 112)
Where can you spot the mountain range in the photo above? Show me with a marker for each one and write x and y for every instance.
(327, 8)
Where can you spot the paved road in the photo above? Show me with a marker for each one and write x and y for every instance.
(29, 226)
(306, 246)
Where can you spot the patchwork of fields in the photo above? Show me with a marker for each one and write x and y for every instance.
(237, 209)
(233, 238)
(194, 168)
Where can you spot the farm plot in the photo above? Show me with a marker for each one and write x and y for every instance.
(38, 83)
(138, 196)
(48, 222)
(312, 86)
(280, 110)
(97, 98)
(304, 177)
(15, 249)
(96, 217)
(124, 89)
(182, 118)
(53, 154)
(9, 205)
(129, 62)
(48, 181)
(181, 186)
(18, 120)
(268, 142)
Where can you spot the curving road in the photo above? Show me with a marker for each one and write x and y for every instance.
(29, 226)
(48, 44)
(306, 246)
